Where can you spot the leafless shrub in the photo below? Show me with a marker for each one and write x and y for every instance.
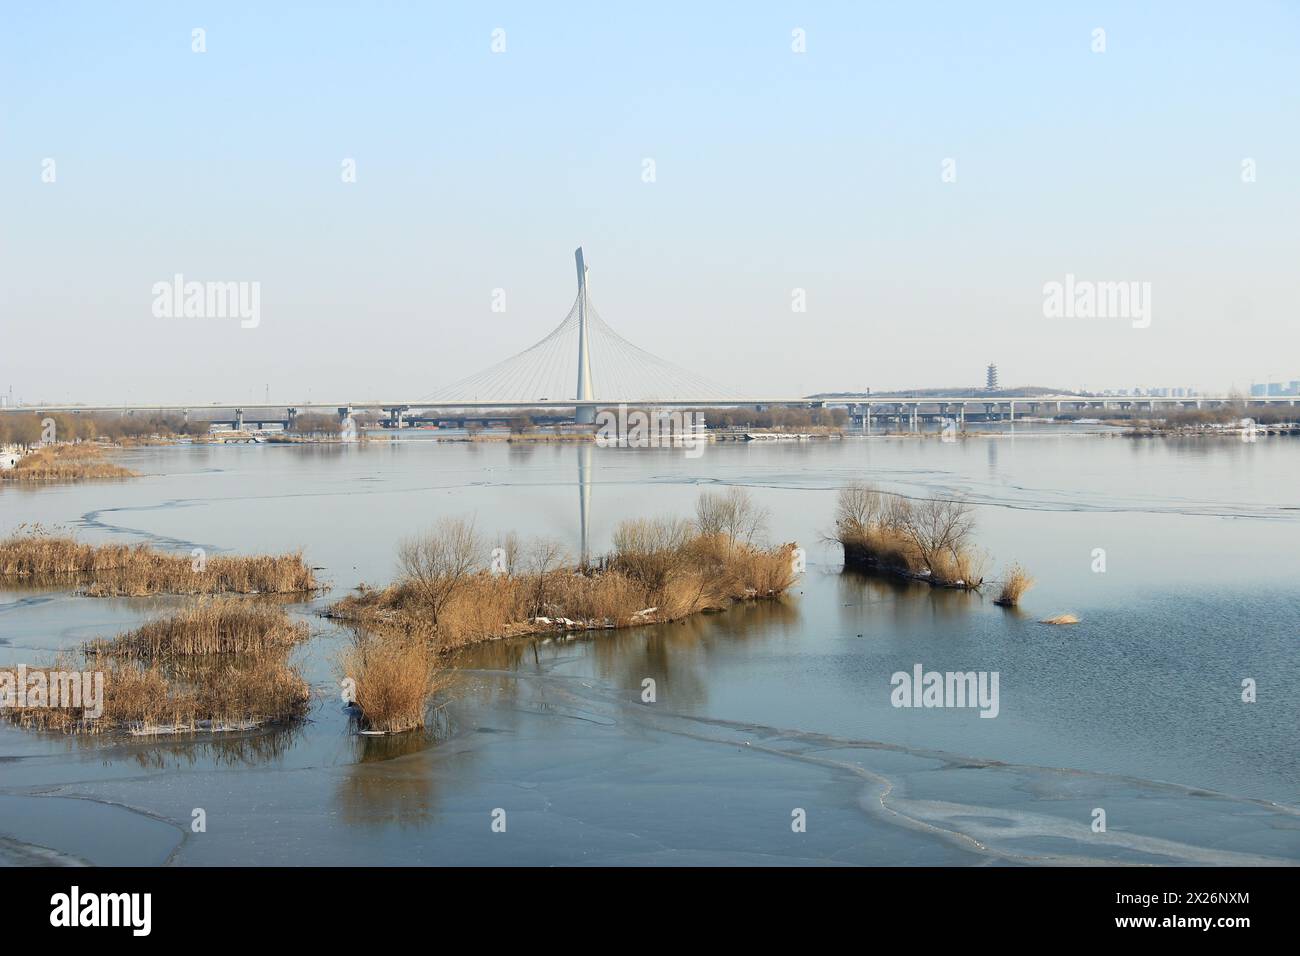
(733, 515)
(436, 563)
(940, 529)
(929, 538)
(858, 507)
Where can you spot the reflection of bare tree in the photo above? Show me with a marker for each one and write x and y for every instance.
(518, 452)
(245, 749)
(909, 602)
(497, 655)
(677, 655)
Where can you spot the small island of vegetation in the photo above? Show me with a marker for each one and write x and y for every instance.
(448, 596)
(221, 665)
(924, 540)
(33, 556)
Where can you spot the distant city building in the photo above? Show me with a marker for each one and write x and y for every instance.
(1158, 391)
(991, 377)
(1274, 389)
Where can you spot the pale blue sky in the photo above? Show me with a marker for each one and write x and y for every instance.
(775, 171)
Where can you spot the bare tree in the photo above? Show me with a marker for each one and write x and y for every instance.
(510, 548)
(650, 550)
(940, 528)
(436, 564)
(858, 507)
(545, 557)
(733, 515)
(897, 514)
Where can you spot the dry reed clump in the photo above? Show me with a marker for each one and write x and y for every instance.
(216, 667)
(1016, 583)
(64, 463)
(928, 539)
(224, 626)
(1060, 619)
(393, 676)
(135, 570)
(659, 570)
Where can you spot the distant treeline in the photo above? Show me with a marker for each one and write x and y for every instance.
(774, 417)
(26, 428)
(316, 423)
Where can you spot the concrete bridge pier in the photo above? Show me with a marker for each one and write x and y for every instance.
(239, 419)
(291, 418)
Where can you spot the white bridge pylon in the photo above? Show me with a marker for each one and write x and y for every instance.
(583, 359)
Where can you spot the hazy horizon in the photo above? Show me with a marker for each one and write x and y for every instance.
(1168, 160)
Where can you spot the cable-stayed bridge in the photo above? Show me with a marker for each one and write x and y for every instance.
(582, 360)
(584, 365)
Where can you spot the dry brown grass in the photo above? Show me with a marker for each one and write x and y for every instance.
(222, 626)
(218, 666)
(659, 570)
(394, 677)
(1060, 619)
(65, 463)
(1014, 585)
(124, 570)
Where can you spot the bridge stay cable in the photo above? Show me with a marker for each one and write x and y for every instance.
(547, 371)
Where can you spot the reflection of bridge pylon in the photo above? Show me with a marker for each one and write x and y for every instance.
(584, 500)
